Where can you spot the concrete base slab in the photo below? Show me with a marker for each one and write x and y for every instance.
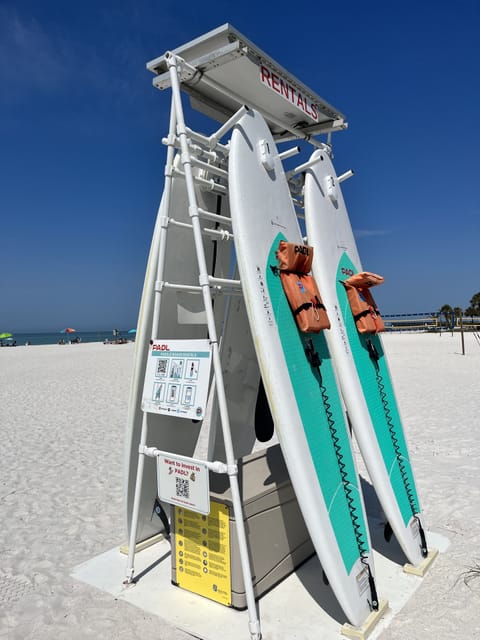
(302, 606)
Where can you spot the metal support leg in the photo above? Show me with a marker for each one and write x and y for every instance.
(163, 213)
(254, 623)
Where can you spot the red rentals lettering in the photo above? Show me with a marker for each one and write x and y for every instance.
(284, 89)
(275, 83)
(265, 75)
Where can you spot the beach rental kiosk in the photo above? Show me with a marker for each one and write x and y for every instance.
(193, 304)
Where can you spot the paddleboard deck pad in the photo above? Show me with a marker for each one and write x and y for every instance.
(297, 372)
(360, 360)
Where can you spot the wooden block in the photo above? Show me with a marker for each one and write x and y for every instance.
(144, 544)
(362, 632)
(422, 568)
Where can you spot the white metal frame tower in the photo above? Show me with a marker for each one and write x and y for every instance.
(203, 69)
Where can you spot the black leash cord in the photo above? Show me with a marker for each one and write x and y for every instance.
(374, 356)
(315, 362)
(160, 512)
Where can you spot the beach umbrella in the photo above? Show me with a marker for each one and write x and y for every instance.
(132, 331)
(68, 330)
(4, 336)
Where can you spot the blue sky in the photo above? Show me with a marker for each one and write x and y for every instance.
(81, 159)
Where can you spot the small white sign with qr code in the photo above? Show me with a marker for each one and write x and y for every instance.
(183, 482)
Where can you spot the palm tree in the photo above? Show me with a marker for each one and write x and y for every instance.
(447, 312)
(474, 308)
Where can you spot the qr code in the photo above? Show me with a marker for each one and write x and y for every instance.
(162, 367)
(182, 488)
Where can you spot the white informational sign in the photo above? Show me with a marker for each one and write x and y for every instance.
(183, 482)
(177, 378)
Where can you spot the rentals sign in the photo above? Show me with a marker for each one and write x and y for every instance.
(274, 82)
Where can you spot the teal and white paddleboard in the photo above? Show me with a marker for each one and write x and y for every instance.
(306, 406)
(360, 360)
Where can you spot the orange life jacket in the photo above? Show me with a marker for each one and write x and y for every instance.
(294, 263)
(365, 312)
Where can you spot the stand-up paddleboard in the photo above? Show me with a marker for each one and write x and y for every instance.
(306, 406)
(182, 315)
(360, 360)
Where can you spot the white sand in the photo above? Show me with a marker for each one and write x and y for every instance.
(62, 417)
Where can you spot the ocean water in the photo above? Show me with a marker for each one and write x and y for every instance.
(54, 337)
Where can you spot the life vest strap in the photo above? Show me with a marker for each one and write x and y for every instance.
(366, 312)
(307, 305)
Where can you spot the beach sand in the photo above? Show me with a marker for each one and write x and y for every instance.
(62, 421)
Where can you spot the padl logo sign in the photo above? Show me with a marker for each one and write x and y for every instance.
(160, 347)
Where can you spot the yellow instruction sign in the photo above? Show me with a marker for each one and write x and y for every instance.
(202, 552)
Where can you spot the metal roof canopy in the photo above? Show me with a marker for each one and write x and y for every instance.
(224, 70)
